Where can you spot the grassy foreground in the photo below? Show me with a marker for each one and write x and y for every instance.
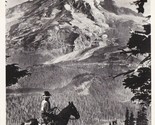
(105, 100)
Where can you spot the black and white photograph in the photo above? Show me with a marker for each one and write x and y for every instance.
(78, 62)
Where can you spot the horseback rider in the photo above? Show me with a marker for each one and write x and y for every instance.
(46, 111)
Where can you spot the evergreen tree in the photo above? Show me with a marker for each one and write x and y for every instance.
(13, 73)
(138, 118)
(140, 4)
(127, 120)
(139, 78)
(139, 81)
(142, 117)
(132, 119)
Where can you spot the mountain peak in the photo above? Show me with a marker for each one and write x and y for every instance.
(59, 27)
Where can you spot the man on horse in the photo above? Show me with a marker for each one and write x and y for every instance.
(46, 111)
(62, 118)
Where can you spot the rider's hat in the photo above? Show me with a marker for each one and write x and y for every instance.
(46, 94)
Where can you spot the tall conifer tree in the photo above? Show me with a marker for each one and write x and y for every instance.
(127, 117)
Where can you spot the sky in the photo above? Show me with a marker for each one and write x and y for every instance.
(127, 3)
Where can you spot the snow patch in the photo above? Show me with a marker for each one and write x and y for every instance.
(67, 57)
(75, 55)
(15, 16)
(67, 7)
(99, 17)
(81, 21)
(54, 12)
(89, 54)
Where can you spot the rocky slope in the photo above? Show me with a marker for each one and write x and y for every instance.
(49, 29)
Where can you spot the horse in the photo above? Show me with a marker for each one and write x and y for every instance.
(62, 118)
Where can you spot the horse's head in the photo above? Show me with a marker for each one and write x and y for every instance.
(73, 110)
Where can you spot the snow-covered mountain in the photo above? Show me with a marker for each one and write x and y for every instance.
(54, 28)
